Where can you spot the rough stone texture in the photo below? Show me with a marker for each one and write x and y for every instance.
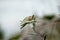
(43, 27)
(29, 34)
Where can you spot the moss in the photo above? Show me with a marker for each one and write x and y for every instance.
(15, 37)
(1, 35)
(49, 17)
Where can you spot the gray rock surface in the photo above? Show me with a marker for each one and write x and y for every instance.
(43, 27)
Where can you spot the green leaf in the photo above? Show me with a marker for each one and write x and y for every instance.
(33, 17)
(33, 26)
(23, 25)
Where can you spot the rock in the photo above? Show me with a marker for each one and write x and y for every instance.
(44, 30)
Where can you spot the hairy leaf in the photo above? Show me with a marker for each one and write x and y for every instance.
(23, 25)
